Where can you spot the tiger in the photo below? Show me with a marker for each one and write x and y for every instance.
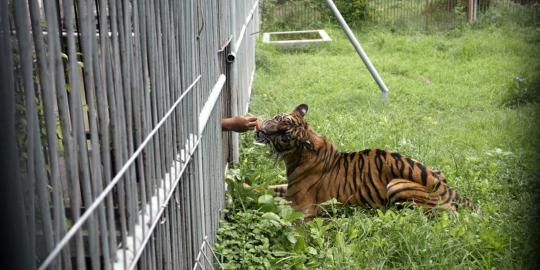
(372, 178)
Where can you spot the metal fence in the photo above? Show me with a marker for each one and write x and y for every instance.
(279, 15)
(415, 14)
(444, 14)
(118, 106)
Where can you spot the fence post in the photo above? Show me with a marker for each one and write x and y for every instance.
(470, 11)
(427, 14)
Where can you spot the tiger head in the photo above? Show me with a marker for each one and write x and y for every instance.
(286, 132)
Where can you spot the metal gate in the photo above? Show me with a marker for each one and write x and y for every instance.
(119, 151)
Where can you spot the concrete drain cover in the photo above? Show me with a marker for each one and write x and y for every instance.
(296, 38)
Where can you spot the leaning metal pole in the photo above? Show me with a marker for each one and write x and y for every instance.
(359, 49)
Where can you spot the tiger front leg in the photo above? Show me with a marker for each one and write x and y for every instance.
(310, 211)
(279, 190)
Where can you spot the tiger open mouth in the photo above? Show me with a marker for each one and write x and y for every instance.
(261, 137)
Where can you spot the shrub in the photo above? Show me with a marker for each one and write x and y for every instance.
(522, 91)
(303, 14)
(257, 231)
(353, 11)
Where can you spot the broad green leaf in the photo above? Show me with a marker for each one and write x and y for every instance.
(300, 245)
(271, 216)
(266, 199)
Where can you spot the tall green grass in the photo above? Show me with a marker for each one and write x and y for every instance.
(454, 104)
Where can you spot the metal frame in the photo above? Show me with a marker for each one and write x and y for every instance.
(122, 161)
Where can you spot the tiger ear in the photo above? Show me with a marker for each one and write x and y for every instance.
(301, 109)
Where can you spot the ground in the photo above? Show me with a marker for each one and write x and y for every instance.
(460, 101)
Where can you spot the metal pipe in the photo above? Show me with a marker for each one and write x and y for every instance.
(233, 83)
(359, 49)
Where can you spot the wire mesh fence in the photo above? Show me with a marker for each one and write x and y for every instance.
(292, 15)
(445, 14)
(118, 112)
(413, 14)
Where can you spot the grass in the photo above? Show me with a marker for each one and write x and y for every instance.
(454, 104)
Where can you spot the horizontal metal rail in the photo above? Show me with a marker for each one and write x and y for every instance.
(210, 103)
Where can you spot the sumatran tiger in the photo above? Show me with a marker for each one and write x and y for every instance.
(318, 172)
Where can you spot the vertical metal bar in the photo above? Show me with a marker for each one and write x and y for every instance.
(167, 236)
(163, 26)
(162, 103)
(58, 82)
(359, 49)
(138, 107)
(169, 59)
(26, 52)
(195, 191)
(80, 134)
(159, 90)
(118, 127)
(91, 80)
(196, 194)
(174, 230)
(158, 95)
(206, 178)
(130, 41)
(124, 35)
(46, 86)
(235, 139)
(49, 98)
(188, 216)
(158, 247)
(153, 105)
(187, 45)
(184, 236)
(146, 119)
(104, 118)
(12, 197)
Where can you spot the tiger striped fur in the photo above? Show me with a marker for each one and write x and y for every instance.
(317, 171)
